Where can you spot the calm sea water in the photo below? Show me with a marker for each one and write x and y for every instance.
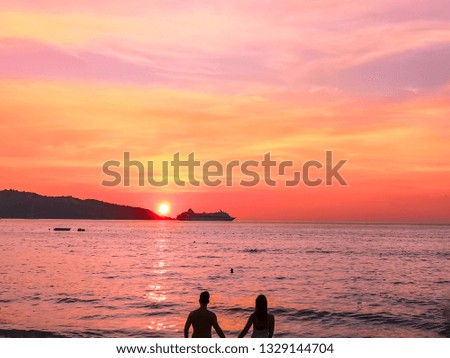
(141, 279)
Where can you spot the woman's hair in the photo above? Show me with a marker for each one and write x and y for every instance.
(261, 308)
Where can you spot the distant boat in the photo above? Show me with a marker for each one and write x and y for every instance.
(190, 215)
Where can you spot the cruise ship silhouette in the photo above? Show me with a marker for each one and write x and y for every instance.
(190, 215)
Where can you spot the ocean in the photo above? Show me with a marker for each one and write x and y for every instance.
(142, 278)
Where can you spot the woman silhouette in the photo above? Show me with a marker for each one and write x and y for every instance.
(262, 321)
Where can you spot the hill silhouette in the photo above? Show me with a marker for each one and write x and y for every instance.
(25, 205)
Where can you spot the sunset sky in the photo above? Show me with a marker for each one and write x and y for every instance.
(82, 81)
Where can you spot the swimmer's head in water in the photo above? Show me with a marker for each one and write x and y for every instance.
(204, 298)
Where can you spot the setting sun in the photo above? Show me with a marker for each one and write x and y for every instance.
(164, 208)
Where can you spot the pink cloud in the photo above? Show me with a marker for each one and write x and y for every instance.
(38, 61)
(228, 46)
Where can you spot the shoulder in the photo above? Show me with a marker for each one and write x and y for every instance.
(193, 314)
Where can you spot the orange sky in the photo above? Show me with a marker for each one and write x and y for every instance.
(81, 83)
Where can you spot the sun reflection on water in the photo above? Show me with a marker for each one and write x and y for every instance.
(155, 293)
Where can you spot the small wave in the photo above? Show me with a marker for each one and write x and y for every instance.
(91, 317)
(107, 307)
(281, 311)
(318, 251)
(237, 309)
(440, 282)
(403, 283)
(90, 334)
(415, 302)
(281, 278)
(123, 299)
(254, 251)
(416, 322)
(445, 332)
(117, 333)
(443, 254)
(307, 314)
(275, 251)
(75, 300)
(19, 333)
(158, 313)
(152, 305)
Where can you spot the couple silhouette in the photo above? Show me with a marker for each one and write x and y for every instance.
(202, 320)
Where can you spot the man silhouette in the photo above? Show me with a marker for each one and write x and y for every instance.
(202, 320)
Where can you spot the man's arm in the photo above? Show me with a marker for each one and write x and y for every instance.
(217, 327)
(187, 326)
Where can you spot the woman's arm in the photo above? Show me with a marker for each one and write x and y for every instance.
(271, 325)
(247, 327)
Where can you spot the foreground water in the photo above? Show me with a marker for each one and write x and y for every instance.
(141, 279)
